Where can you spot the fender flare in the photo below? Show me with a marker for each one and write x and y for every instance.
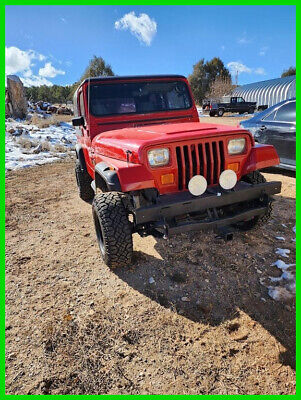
(103, 173)
(80, 156)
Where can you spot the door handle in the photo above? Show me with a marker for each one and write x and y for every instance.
(263, 128)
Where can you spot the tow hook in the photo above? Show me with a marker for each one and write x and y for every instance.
(165, 235)
(225, 233)
(128, 153)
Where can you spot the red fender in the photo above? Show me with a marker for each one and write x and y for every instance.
(261, 156)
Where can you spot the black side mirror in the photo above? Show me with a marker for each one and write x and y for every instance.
(78, 121)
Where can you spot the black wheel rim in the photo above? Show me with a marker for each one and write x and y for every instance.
(99, 233)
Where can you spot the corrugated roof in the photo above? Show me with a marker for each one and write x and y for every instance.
(268, 92)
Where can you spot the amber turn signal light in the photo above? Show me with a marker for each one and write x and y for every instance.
(234, 166)
(167, 179)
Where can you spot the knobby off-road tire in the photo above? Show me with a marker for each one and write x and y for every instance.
(83, 180)
(256, 178)
(113, 229)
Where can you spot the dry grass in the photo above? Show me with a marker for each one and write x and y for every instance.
(27, 143)
(54, 119)
(45, 146)
(59, 148)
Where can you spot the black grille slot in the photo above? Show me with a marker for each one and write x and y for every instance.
(180, 168)
(194, 160)
(216, 164)
(187, 166)
(207, 159)
(222, 154)
(201, 159)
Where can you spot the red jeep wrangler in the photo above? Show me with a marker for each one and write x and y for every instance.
(151, 167)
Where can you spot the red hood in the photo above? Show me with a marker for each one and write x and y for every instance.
(116, 143)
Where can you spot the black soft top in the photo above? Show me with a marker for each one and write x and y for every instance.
(134, 77)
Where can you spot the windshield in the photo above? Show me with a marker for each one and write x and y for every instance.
(138, 97)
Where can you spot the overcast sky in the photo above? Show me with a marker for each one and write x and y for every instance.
(52, 44)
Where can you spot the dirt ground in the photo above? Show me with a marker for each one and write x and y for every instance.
(205, 326)
(227, 119)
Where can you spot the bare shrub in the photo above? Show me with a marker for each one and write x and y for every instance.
(59, 148)
(45, 146)
(27, 143)
(221, 86)
(48, 121)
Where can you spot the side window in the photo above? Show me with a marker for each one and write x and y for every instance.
(270, 117)
(234, 100)
(81, 104)
(240, 100)
(287, 113)
(75, 108)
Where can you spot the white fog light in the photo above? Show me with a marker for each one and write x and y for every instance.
(197, 185)
(228, 179)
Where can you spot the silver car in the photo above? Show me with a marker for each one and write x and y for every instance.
(277, 126)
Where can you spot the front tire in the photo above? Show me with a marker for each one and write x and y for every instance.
(220, 113)
(256, 178)
(252, 110)
(113, 229)
(83, 180)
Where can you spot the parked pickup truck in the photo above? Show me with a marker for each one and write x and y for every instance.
(232, 104)
(149, 166)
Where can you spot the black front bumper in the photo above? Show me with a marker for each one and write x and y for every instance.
(169, 207)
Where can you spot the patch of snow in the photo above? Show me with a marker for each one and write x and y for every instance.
(28, 150)
(282, 265)
(151, 280)
(263, 299)
(279, 293)
(286, 289)
(283, 252)
(201, 112)
(278, 279)
(284, 226)
(280, 238)
(294, 229)
(288, 276)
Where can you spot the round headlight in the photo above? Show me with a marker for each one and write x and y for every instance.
(228, 179)
(197, 185)
(236, 146)
(158, 157)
